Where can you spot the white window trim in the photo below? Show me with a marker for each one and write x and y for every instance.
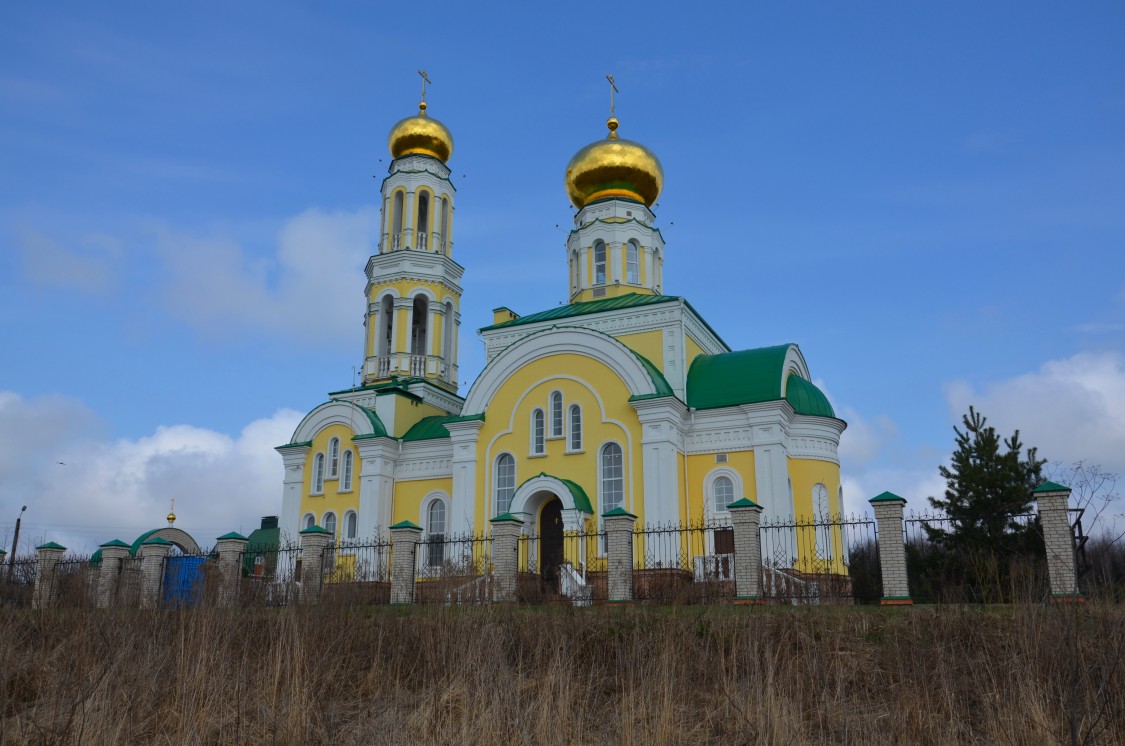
(531, 452)
(346, 486)
(551, 416)
(314, 488)
(581, 429)
(709, 489)
(344, 525)
(335, 519)
(333, 469)
(305, 521)
(602, 507)
(496, 481)
(427, 505)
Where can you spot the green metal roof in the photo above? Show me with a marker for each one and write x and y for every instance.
(887, 497)
(581, 499)
(629, 300)
(50, 545)
(430, 428)
(505, 518)
(232, 535)
(806, 398)
(658, 379)
(407, 524)
(115, 543)
(1050, 487)
(732, 378)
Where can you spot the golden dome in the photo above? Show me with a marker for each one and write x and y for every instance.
(613, 168)
(421, 134)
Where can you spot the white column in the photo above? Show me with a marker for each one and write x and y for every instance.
(662, 441)
(292, 489)
(464, 437)
(377, 457)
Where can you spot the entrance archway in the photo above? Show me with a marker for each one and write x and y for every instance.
(551, 543)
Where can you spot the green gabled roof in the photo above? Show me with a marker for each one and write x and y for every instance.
(629, 300)
(407, 524)
(157, 541)
(887, 497)
(581, 499)
(505, 518)
(232, 535)
(1050, 487)
(658, 379)
(50, 545)
(806, 398)
(731, 378)
(430, 428)
(115, 543)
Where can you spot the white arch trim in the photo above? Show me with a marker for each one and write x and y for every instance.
(709, 487)
(794, 363)
(427, 501)
(535, 485)
(558, 341)
(333, 413)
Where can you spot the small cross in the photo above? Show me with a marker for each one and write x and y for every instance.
(172, 505)
(612, 90)
(425, 79)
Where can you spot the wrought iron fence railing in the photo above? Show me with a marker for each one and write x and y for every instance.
(684, 563)
(454, 569)
(566, 565)
(17, 581)
(818, 560)
(271, 574)
(357, 572)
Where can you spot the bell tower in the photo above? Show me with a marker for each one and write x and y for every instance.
(413, 285)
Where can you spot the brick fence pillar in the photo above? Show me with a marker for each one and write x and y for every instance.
(747, 518)
(888, 509)
(230, 548)
(404, 547)
(314, 540)
(619, 536)
(109, 571)
(506, 530)
(1054, 501)
(153, 552)
(49, 555)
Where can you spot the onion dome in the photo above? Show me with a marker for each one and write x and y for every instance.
(613, 167)
(422, 135)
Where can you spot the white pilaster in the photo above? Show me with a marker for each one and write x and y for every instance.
(663, 422)
(294, 458)
(464, 437)
(378, 457)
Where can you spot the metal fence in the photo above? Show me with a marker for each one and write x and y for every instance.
(453, 569)
(357, 572)
(271, 574)
(809, 560)
(676, 563)
(74, 583)
(993, 570)
(566, 566)
(17, 581)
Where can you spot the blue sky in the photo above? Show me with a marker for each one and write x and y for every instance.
(928, 198)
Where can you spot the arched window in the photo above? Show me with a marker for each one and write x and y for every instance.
(444, 239)
(308, 521)
(435, 529)
(346, 478)
(333, 458)
(820, 501)
(505, 482)
(447, 339)
(423, 224)
(613, 477)
(396, 222)
(318, 474)
(575, 443)
(538, 431)
(386, 325)
(351, 525)
(722, 490)
(633, 263)
(599, 263)
(418, 326)
(330, 522)
(557, 424)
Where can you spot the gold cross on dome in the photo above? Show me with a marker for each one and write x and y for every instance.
(612, 90)
(425, 79)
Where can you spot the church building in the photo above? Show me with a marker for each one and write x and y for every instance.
(623, 397)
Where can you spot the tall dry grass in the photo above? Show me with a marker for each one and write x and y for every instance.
(644, 675)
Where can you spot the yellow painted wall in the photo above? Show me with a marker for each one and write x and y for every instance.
(805, 473)
(537, 380)
(408, 412)
(700, 465)
(333, 498)
(409, 496)
(693, 351)
(650, 344)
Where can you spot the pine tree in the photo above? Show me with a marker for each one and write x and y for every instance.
(986, 486)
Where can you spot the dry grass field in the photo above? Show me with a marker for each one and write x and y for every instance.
(645, 675)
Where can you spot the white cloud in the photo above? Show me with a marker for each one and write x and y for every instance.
(1070, 409)
(108, 489)
(48, 263)
(307, 288)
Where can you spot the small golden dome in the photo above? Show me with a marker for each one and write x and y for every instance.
(613, 168)
(421, 134)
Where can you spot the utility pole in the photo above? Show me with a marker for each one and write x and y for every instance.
(15, 542)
